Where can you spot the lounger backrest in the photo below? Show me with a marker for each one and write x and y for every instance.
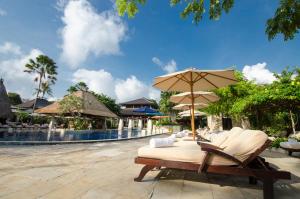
(222, 140)
(244, 145)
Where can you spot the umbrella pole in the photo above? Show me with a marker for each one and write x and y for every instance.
(193, 111)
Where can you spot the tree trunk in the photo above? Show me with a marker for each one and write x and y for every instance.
(36, 97)
(293, 123)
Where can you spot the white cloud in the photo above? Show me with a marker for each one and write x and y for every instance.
(258, 73)
(2, 12)
(12, 71)
(157, 61)
(9, 47)
(169, 67)
(99, 81)
(102, 81)
(88, 32)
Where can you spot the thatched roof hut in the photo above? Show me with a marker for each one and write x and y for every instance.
(5, 111)
(40, 103)
(91, 106)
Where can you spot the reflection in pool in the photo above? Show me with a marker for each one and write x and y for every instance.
(70, 135)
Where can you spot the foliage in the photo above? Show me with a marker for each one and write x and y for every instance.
(165, 105)
(285, 21)
(22, 116)
(14, 98)
(80, 124)
(71, 104)
(165, 122)
(45, 70)
(277, 141)
(80, 86)
(46, 89)
(195, 8)
(270, 107)
(40, 120)
(155, 105)
(230, 95)
(108, 102)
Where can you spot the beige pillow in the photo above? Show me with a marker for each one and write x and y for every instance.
(232, 134)
(243, 145)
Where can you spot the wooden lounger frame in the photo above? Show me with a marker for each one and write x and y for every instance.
(255, 167)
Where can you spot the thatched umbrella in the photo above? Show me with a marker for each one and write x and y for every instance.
(191, 80)
(4, 102)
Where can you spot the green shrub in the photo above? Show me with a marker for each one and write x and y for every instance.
(22, 116)
(165, 122)
(80, 124)
(277, 141)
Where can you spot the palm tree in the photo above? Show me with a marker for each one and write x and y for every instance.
(45, 70)
(46, 89)
(80, 86)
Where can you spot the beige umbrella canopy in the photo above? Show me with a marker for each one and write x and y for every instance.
(188, 114)
(199, 97)
(188, 106)
(191, 80)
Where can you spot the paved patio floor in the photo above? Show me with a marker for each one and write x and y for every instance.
(106, 170)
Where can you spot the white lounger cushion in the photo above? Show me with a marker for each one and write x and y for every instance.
(181, 151)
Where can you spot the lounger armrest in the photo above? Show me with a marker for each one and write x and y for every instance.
(208, 145)
(211, 149)
(201, 138)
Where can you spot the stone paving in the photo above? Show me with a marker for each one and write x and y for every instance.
(106, 170)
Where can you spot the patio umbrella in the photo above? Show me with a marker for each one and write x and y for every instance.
(199, 97)
(146, 110)
(191, 80)
(189, 106)
(188, 114)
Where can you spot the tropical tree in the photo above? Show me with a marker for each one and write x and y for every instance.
(155, 105)
(80, 86)
(14, 98)
(165, 105)
(71, 104)
(108, 102)
(271, 107)
(286, 20)
(45, 70)
(46, 89)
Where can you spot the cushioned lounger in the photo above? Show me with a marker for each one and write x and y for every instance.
(234, 154)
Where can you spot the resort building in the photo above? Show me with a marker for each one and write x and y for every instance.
(28, 105)
(132, 119)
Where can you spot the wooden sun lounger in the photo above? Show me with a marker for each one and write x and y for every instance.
(254, 167)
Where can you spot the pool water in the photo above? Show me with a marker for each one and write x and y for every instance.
(69, 135)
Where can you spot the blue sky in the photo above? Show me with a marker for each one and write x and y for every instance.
(120, 56)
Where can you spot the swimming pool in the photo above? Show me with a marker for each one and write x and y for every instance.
(65, 136)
